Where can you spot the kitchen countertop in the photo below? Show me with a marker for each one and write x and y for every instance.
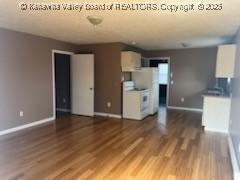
(136, 91)
(216, 96)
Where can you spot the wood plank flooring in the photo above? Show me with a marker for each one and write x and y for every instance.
(169, 146)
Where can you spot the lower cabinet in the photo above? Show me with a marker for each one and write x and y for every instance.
(216, 113)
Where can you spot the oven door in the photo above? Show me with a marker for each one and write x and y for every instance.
(144, 101)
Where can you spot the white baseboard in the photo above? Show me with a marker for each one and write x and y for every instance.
(18, 128)
(216, 130)
(100, 114)
(107, 115)
(115, 116)
(63, 110)
(185, 109)
(235, 166)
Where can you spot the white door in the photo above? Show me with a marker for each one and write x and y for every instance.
(82, 84)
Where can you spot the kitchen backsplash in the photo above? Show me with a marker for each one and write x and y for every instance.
(225, 84)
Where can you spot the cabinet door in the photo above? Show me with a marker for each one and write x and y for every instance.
(130, 61)
(125, 59)
(216, 113)
(225, 61)
(136, 60)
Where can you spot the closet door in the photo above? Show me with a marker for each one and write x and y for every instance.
(82, 84)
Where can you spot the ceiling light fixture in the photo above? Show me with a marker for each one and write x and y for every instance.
(95, 20)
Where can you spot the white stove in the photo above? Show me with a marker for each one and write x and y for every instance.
(135, 101)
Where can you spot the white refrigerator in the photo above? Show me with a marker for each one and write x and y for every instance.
(149, 78)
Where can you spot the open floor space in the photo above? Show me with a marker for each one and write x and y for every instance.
(166, 147)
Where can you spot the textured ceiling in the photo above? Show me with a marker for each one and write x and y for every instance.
(149, 29)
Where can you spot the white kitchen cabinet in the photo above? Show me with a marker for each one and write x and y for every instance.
(225, 61)
(130, 61)
(216, 113)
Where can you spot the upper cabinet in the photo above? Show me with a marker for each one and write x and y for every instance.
(130, 61)
(225, 61)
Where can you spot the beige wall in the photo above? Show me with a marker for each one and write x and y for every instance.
(193, 72)
(26, 77)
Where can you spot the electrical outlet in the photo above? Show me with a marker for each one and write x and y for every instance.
(182, 99)
(21, 113)
(172, 82)
(109, 104)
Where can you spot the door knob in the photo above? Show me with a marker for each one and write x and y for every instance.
(91, 89)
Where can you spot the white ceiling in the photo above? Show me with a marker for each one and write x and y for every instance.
(149, 29)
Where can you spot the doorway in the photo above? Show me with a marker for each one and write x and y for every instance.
(62, 83)
(163, 65)
(73, 93)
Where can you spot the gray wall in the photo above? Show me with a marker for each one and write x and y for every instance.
(107, 76)
(26, 77)
(235, 109)
(108, 87)
(193, 72)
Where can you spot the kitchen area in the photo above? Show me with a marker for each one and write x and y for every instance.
(217, 101)
(140, 92)
(140, 89)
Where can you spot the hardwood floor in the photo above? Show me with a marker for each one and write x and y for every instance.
(170, 146)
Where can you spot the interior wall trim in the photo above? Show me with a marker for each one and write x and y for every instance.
(108, 115)
(235, 166)
(25, 126)
(185, 108)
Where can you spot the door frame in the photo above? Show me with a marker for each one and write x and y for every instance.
(53, 76)
(169, 74)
